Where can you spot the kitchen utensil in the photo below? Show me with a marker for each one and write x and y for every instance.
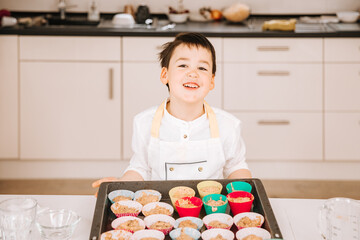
(57, 224)
(142, 14)
(17, 216)
(348, 17)
(339, 218)
(178, 17)
(123, 19)
(8, 21)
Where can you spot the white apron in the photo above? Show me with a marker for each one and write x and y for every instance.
(186, 160)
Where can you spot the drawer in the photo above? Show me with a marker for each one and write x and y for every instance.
(148, 48)
(282, 136)
(342, 87)
(342, 136)
(272, 50)
(70, 48)
(272, 87)
(342, 50)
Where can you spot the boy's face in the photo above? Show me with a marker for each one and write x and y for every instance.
(189, 74)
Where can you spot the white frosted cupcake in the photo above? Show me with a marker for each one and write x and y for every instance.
(147, 196)
(192, 222)
(248, 219)
(148, 233)
(157, 208)
(116, 235)
(218, 220)
(217, 233)
(126, 208)
(245, 233)
(128, 223)
(160, 222)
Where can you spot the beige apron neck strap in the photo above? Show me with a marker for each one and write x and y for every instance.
(214, 127)
(156, 122)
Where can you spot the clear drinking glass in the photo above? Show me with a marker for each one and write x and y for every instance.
(339, 219)
(17, 216)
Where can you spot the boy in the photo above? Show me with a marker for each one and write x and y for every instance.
(185, 138)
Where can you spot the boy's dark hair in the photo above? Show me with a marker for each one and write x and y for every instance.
(191, 40)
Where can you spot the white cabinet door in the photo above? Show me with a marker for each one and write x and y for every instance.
(342, 136)
(282, 136)
(70, 110)
(285, 87)
(342, 49)
(8, 97)
(342, 86)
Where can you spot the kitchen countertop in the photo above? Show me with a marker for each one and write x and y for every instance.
(297, 218)
(249, 28)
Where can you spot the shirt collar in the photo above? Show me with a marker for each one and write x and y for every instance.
(168, 117)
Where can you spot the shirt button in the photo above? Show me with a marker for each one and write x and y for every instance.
(185, 136)
(171, 169)
(200, 169)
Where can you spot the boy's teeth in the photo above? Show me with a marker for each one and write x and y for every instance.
(191, 86)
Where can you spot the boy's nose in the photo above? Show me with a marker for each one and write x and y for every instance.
(193, 74)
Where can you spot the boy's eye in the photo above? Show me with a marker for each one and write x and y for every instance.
(202, 69)
(182, 65)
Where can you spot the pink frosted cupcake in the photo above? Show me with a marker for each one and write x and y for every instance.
(116, 235)
(128, 223)
(126, 208)
(218, 220)
(160, 222)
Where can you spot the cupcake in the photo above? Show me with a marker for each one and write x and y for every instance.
(126, 208)
(180, 192)
(188, 206)
(129, 223)
(161, 222)
(248, 219)
(147, 196)
(218, 220)
(185, 234)
(238, 186)
(192, 222)
(120, 195)
(240, 201)
(157, 208)
(116, 235)
(215, 203)
(217, 234)
(253, 233)
(209, 187)
(148, 234)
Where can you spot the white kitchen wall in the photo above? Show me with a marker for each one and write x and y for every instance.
(161, 6)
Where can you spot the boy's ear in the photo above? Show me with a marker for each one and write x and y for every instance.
(163, 76)
(212, 83)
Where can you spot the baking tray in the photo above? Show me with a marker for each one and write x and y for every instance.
(103, 216)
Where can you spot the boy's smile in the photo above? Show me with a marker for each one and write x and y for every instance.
(189, 74)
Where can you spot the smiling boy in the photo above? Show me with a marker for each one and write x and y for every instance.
(184, 138)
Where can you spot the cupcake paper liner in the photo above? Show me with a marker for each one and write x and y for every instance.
(152, 205)
(116, 234)
(237, 208)
(149, 220)
(203, 184)
(199, 223)
(215, 209)
(195, 234)
(118, 221)
(189, 212)
(139, 194)
(221, 217)
(260, 232)
(174, 191)
(148, 233)
(238, 186)
(251, 215)
(116, 193)
(128, 203)
(212, 233)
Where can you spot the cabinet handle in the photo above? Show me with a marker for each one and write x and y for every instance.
(273, 73)
(273, 122)
(111, 83)
(273, 48)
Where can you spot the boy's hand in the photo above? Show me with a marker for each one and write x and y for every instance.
(97, 183)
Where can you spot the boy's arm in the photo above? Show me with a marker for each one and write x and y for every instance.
(131, 176)
(240, 173)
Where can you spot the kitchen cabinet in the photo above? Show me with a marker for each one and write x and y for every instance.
(141, 80)
(275, 87)
(9, 106)
(342, 100)
(70, 99)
